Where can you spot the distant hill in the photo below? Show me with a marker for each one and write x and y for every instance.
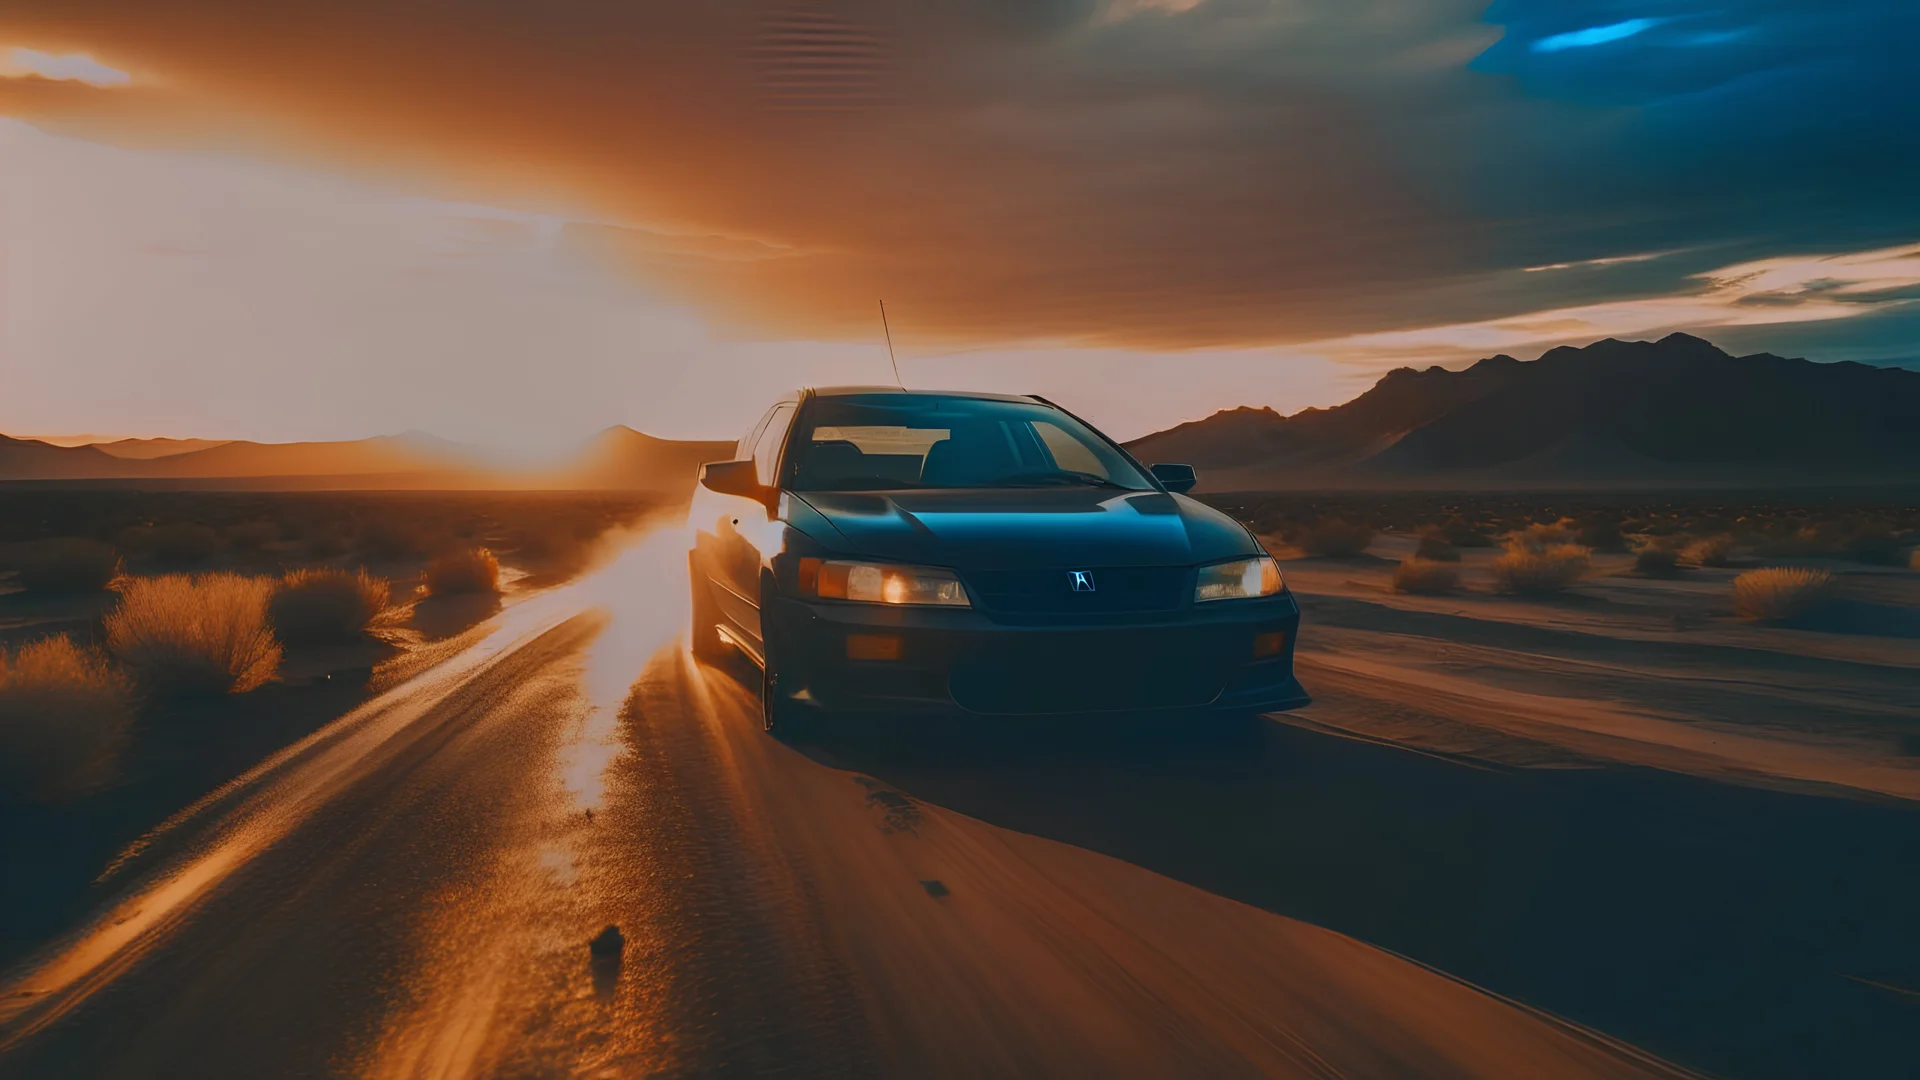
(623, 459)
(146, 449)
(1677, 412)
(616, 459)
(383, 454)
(33, 459)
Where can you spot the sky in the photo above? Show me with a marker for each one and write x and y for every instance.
(516, 223)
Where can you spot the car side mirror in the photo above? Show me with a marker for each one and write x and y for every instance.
(735, 478)
(1175, 478)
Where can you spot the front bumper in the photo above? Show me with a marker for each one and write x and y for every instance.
(965, 661)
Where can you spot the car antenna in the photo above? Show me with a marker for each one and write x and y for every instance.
(889, 332)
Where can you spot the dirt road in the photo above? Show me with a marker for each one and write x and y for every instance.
(411, 893)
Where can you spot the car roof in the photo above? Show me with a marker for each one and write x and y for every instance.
(848, 391)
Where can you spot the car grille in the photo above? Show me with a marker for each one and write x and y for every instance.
(1116, 589)
(1093, 672)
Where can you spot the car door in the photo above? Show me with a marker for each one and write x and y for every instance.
(712, 516)
(749, 531)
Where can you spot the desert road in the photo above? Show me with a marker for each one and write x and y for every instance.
(411, 892)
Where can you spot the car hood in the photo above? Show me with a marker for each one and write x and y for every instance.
(1031, 528)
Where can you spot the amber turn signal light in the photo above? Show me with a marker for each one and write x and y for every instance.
(1270, 644)
(873, 647)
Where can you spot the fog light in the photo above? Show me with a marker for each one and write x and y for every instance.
(873, 647)
(1270, 644)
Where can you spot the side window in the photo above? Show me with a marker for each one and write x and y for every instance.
(766, 452)
(745, 450)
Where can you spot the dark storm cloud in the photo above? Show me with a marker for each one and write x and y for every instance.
(1782, 124)
(1239, 171)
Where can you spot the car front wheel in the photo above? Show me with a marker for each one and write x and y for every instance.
(779, 713)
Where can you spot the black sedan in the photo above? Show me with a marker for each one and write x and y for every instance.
(881, 550)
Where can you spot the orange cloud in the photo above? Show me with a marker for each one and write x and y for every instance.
(995, 172)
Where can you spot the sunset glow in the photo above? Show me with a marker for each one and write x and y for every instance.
(485, 240)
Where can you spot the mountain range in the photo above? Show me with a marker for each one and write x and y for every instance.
(1675, 412)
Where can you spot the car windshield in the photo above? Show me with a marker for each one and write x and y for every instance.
(878, 442)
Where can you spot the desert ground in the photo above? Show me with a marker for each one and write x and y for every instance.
(1606, 829)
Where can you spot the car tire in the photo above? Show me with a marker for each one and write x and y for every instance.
(779, 715)
(707, 643)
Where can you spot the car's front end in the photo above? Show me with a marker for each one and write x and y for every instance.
(1029, 616)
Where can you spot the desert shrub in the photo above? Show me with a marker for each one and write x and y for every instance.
(1530, 568)
(1872, 545)
(1434, 546)
(1601, 534)
(1541, 537)
(465, 570)
(64, 712)
(1334, 536)
(252, 535)
(67, 564)
(183, 635)
(1461, 533)
(1418, 575)
(175, 541)
(1713, 550)
(1779, 594)
(1657, 559)
(313, 606)
(1796, 543)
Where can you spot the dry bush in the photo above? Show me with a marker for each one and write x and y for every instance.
(1779, 594)
(1334, 536)
(326, 605)
(1860, 541)
(1658, 559)
(1461, 533)
(67, 564)
(1435, 547)
(1714, 550)
(1418, 575)
(1527, 569)
(467, 570)
(1539, 538)
(1800, 543)
(182, 635)
(64, 713)
(1601, 534)
(1868, 544)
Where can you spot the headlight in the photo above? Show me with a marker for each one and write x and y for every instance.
(881, 583)
(1241, 579)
